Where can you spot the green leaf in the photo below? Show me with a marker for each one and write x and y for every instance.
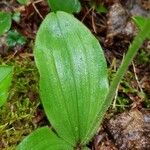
(5, 22)
(23, 2)
(69, 6)
(98, 7)
(73, 76)
(101, 9)
(141, 21)
(5, 81)
(16, 17)
(43, 139)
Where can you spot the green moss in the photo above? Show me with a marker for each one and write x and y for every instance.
(143, 57)
(16, 117)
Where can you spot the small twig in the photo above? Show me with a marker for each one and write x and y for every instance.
(86, 14)
(33, 4)
(93, 22)
(115, 98)
(12, 56)
(38, 1)
(136, 77)
(7, 4)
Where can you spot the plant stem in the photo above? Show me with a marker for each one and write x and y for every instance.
(133, 49)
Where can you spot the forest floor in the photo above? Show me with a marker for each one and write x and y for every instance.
(126, 125)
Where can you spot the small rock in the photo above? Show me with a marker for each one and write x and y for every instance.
(136, 7)
(119, 24)
(117, 19)
(131, 130)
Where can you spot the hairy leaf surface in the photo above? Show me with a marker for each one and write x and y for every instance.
(69, 6)
(43, 139)
(73, 76)
(5, 81)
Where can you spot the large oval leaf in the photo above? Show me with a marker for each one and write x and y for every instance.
(5, 80)
(69, 6)
(43, 139)
(73, 76)
(5, 22)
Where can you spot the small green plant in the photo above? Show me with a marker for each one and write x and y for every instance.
(69, 6)
(5, 81)
(5, 22)
(73, 82)
(99, 7)
(15, 38)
